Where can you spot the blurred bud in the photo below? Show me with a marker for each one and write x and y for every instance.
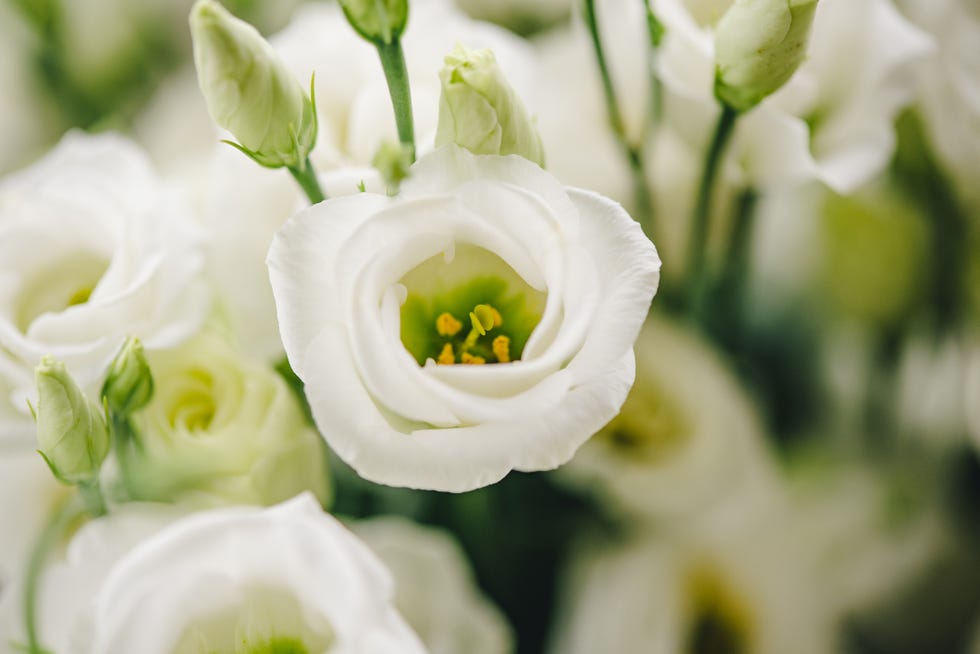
(393, 161)
(759, 44)
(480, 111)
(378, 21)
(248, 89)
(72, 433)
(129, 384)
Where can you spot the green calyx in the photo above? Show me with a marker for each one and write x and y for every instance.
(485, 317)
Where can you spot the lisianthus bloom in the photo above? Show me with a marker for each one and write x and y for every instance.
(285, 579)
(434, 588)
(481, 321)
(93, 247)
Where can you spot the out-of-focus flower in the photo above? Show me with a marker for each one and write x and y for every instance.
(759, 44)
(480, 259)
(287, 578)
(480, 110)
(949, 86)
(72, 433)
(221, 429)
(248, 89)
(93, 247)
(434, 588)
(832, 121)
(686, 437)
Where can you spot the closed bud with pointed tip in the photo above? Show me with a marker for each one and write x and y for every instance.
(480, 110)
(759, 44)
(129, 384)
(72, 434)
(249, 91)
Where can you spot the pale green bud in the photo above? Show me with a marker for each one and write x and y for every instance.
(129, 385)
(72, 434)
(393, 161)
(378, 21)
(480, 110)
(759, 44)
(249, 90)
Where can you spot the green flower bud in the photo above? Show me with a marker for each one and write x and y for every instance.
(393, 161)
(480, 110)
(759, 44)
(248, 89)
(378, 21)
(72, 433)
(129, 384)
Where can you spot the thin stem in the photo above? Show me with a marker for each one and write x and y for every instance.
(307, 180)
(91, 494)
(697, 243)
(52, 533)
(396, 74)
(728, 292)
(632, 152)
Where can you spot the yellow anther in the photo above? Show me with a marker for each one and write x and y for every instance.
(501, 349)
(484, 318)
(498, 320)
(446, 357)
(447, 325)
(469, 358)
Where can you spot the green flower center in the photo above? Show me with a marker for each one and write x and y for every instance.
(475, 309)
(651, 427)
(67, 283)
(719, 623)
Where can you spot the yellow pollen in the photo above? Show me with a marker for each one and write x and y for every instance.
(501, 349)
(447, 325)
(469, 358)
(446, 357)
(498, 320)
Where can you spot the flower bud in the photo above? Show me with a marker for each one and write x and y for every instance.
(248, 89)
(378, 21)
(759, 44)
(72, 433)
(393, 161)
(129, 384)
(480, 110)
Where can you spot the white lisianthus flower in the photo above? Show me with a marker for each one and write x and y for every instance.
(832, 121)
(480, 259)
(434, 588)
(221, 428)
(687, 436)
(94, 248)
(286, 579)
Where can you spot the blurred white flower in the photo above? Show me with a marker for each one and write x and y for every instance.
(687, 436)
(831, 121)
(236, 579)
(221, 428)
(479, 259)
(434, 588)
(93, 247)
(731, 580)
(949, 85)
(28, 495)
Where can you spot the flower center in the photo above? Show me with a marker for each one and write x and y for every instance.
(194, 407)
(69, 282)
(650, 427)
(718, 623)
(474, 309)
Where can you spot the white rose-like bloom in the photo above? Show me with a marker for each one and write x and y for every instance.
(479, 259)
(434, 588)
(832, 121)
(239, 580)
(686, 437)
(93, 247)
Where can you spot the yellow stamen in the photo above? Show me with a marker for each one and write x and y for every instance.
(466, 357)
(446, 357)
(447, 325)
(484, 318)
(498, 320)
(501, 349)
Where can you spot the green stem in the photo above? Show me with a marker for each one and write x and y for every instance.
(306, 178)
(633, 153)
(728, 292)
(697, 243)
(50, 536)
(396, 74)
(91, 494)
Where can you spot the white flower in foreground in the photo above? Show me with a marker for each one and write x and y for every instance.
(221, 428)
(686, 437)
(434, 588)
(93, 248)
(479, 259)
(239, 580)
